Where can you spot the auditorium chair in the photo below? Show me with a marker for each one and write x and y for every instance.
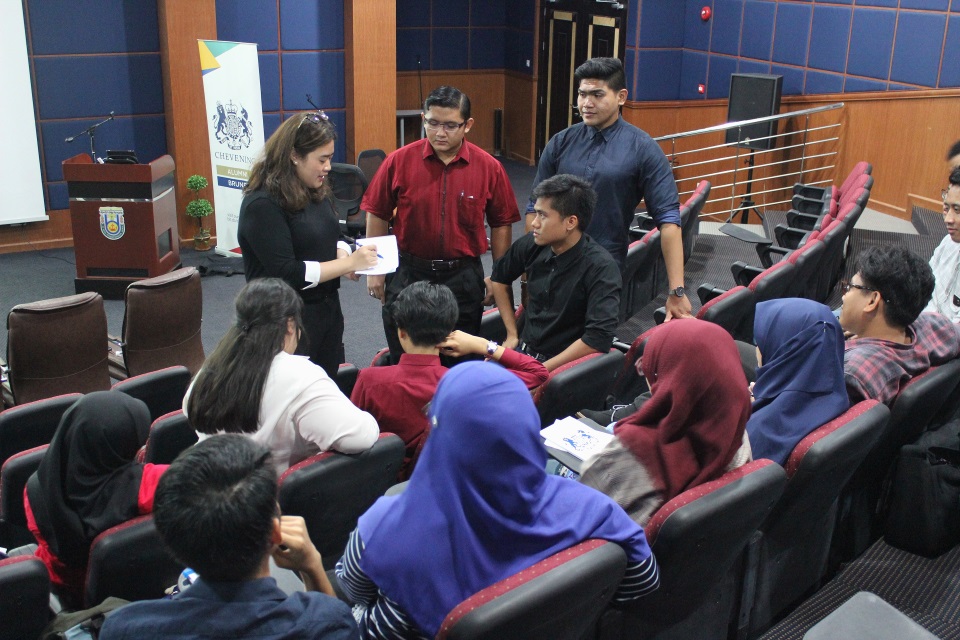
(347, 377)
(348, 184)
(861, 168)
(580, 384)
(698, 538)
(732, 309)
(788, 559)
(642, 274)
(560, 597)
(810, 221)
(629, 381)
(57, 346)
(332, 490)
(923, 402)
(772, 283)
(162, 390)
(14, 473)
(30, 425)
(690, 225)
(24, 598)
(129, 561)
(369, 161)
(170, 435)
(161, 325)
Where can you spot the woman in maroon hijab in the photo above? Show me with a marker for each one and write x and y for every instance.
(689, 432)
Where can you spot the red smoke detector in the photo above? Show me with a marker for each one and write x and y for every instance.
(705, 13)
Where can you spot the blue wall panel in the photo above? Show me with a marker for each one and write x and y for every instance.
(269, 64)
(859, 84)
(792, 79)
(413, 13)
(727, 17)
(410, 44)
(451, 13)
(871, 43)
(449, 49)
(693, 73)
(916, 55)
(488, 14)
(309, 25)
(486, 48)
(758, 25)
(658, 74)
(718, 78)
(828, 38)
(818, 82)
(792, 33)
(661, 25)
(319, 73)
(79, 86)
(104, 26)
(249, 21)
(696, 32)
(950, 73)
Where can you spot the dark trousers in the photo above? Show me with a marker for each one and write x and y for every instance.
(466, 284)
(323, 325)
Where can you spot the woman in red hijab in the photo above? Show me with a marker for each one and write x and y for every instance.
(689, 432)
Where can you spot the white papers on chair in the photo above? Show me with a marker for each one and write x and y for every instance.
(574, 437)
(386, 251)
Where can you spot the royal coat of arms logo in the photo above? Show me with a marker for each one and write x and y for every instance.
(232, 126)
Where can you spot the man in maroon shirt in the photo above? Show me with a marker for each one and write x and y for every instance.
(396, 396)
(442, 188)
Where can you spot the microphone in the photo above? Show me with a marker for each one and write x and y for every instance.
(71, 139)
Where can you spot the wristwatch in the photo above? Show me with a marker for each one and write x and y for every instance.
(492, 348)
(679, 292)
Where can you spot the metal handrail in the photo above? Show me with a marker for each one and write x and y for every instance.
(796, 152)
(744, 123)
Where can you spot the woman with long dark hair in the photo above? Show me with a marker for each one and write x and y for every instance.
(288, 229)
(253, 384)
(88, 482)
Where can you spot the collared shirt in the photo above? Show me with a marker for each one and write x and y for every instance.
(249, 609)
(570, 296)
(624, 165)
(878, 369)
(946, 270)
(441, 207)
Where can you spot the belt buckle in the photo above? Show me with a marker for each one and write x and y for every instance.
(441, 265)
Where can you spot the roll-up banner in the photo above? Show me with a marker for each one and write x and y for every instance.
(231, 88)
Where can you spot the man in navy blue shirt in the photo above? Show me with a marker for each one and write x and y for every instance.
(624, 165)
(216, 511)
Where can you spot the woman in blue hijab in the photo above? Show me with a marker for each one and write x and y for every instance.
(478, 508)
(800, 383)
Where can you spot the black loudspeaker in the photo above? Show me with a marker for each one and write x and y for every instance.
(753, 95)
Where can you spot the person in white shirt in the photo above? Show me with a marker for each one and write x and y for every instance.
(946, 258)
(253, 384)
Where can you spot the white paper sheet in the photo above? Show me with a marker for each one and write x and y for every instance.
(387, 252)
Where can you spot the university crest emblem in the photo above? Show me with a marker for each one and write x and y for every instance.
(111, 223)
(232, 126)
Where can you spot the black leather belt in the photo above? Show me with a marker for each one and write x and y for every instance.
(454, 264)
(523, 347)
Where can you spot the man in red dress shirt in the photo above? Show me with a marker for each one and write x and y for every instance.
(437, 192)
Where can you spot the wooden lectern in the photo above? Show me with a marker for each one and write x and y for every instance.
(124, 220)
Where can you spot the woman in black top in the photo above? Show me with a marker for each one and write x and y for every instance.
(289, 229)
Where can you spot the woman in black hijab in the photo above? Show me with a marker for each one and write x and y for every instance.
(88, 482)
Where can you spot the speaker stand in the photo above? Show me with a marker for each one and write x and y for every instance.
(746, 202)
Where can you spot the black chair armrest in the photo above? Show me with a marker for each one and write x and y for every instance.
(806, 191)
(743, 273)
(620, 345)
(643, 221)
(767, 254)
(659, 315)
(789, 237)
(807, 205)
(799, 220)
(707, 292)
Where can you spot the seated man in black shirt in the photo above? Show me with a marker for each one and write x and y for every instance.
(573, 285)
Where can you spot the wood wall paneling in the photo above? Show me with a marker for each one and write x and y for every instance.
(182, 23)
(519, 117)
(370, 35)
(54, 233)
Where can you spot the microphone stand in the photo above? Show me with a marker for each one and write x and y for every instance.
(91, 131)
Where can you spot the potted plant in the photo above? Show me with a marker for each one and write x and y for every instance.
(199, 208)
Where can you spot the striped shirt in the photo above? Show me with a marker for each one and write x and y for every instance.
(381, 618)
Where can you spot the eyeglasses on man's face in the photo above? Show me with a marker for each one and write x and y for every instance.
(449, 127)
(949, 206)
(846, 285)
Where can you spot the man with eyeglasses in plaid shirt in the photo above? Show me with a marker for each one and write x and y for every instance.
(893, 341)
(437, 192)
